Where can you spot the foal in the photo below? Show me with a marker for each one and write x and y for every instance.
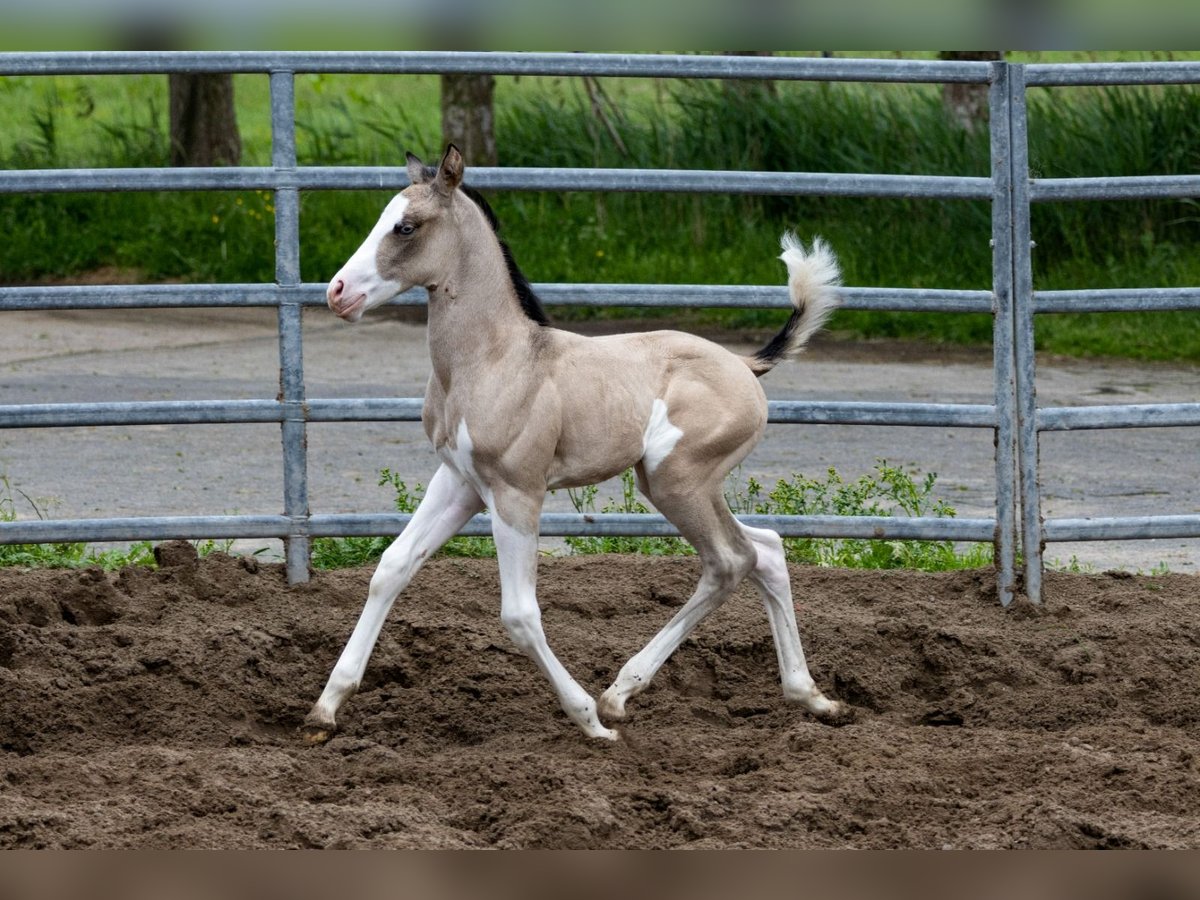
(516, 408)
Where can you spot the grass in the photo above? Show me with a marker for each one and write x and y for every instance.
(887, 491)
(226, 236)
(76, 554)
(339, 553)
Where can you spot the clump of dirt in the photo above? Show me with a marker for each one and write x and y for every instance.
(160, 708)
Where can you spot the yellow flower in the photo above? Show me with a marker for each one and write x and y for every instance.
(216, 219)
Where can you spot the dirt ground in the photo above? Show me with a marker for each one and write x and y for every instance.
(159, 708)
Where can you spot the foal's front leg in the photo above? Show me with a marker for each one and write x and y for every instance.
(449, 502)
(517, 550)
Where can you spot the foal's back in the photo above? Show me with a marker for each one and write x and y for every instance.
(621, 395)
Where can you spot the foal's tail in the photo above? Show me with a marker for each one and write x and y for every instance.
(813, 280)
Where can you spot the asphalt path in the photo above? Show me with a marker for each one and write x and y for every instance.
(76, 356)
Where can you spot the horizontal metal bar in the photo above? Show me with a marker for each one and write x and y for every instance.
(510, 178)
(617, 65)
(650, 525)
(146, 528)
(154, 296)
(731, 296)
(177, 296)
(160, 412)
(1118, 300)
(1128, 187)
(47, 181)
(1130, 528)
(599, 64)
(1063, 74)
(734, 182)
(366, 409)
(819, 412)
(552, 525)
(1143, 415)
(408, 409)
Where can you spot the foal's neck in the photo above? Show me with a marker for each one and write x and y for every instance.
(475, 316)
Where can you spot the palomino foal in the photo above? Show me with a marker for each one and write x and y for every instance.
(515, 408)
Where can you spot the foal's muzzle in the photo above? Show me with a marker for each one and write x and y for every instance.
(346, 305)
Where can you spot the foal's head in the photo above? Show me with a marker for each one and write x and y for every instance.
(414, 242)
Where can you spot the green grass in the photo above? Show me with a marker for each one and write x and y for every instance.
(885, 492)
(641, 237)
(340, 553)
(77, 554)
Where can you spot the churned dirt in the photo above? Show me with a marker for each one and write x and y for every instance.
(159, 708)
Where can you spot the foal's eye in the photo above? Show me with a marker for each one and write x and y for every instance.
(404, 228)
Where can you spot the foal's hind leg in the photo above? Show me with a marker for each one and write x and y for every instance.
(726, 555)
(449, 502)
(770, 576)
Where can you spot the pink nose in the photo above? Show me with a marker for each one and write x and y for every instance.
(334, 291)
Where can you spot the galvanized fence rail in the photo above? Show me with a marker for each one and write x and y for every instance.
(1008, 188)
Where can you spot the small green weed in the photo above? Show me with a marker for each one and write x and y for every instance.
(888, 491)
(584, 501)
(344, 552)
(72, 555)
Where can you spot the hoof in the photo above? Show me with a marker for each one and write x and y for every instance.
(612, 735)
(315, 735)
(611, 708)
(837, 714)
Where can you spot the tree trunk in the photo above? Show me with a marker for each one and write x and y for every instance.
(204, 129)
(967, 104)
(467, 117)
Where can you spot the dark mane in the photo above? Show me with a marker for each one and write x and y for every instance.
(530, 304)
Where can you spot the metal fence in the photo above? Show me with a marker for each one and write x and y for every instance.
(1035, 530)
(1013, 415)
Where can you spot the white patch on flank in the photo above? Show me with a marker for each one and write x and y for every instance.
(659, 438)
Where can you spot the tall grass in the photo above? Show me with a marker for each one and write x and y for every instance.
(668, 238)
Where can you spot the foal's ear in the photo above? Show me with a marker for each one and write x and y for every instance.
(417, 173)
(450, 172)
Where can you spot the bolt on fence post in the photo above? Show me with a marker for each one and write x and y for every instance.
(1003, 363)
(291, 357)
(1032, 532)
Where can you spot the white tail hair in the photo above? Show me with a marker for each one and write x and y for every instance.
(813, 281)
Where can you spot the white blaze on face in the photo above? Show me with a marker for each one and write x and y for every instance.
(659, 438)
(360, 276)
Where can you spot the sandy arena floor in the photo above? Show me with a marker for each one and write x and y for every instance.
(159, 708)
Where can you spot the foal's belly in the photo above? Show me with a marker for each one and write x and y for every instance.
(598, 463)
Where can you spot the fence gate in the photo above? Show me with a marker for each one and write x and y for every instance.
(1035, 531)
(1013, 416)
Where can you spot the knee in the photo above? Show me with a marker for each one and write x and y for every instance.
(393, 570)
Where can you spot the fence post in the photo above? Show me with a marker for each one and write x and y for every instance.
(1004, 376)
(291, 357)
(1032, 532)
